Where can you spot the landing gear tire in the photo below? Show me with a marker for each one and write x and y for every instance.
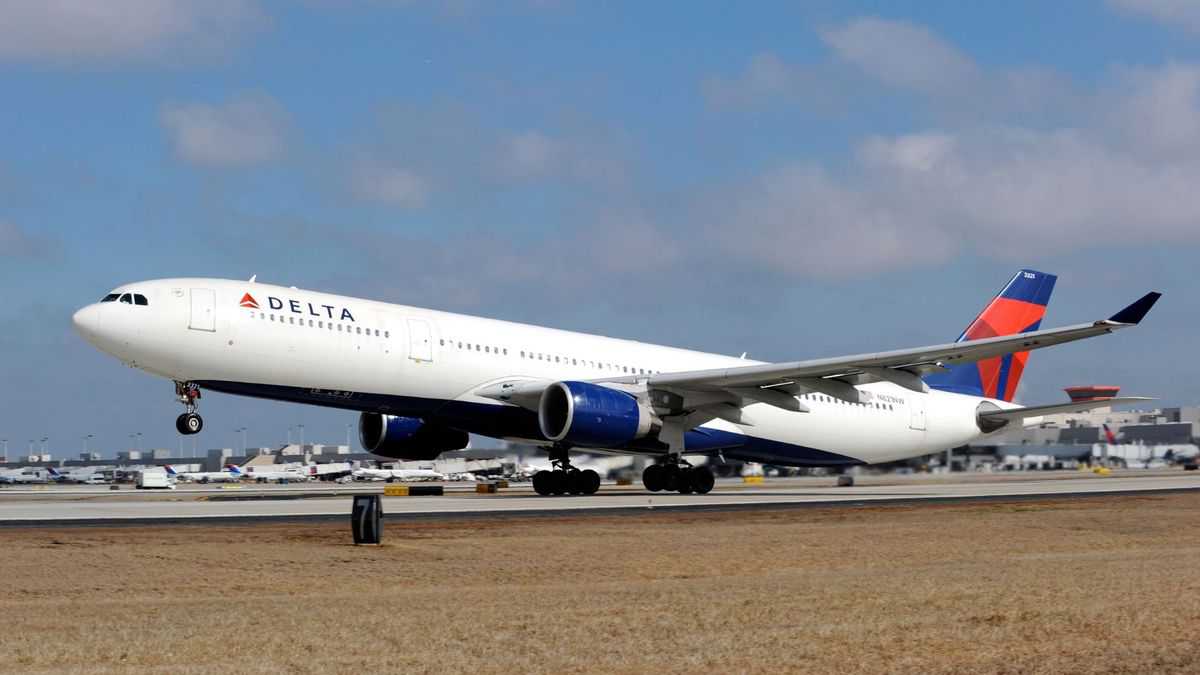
(703, 480)
(575, 482)
(189, 424)
(653, 477)
(543, 483)
(558, 482)
(590, 481)
(670, 478)
(685, 486)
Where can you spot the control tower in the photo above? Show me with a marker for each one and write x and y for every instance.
(1093, 392)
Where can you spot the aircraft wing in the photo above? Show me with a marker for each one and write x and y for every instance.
(904, 367)
(695, 397)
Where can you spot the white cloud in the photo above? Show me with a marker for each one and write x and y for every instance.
(1156, 111)
(530, 154)
(392, 185)
(241, 132)
(918, 198)
(901, 54)
(769, 77)
(87, 31)
(1183, 14)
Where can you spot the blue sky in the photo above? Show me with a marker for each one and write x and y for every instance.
(788, 179)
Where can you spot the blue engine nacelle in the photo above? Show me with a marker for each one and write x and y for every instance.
(407, 438)
(592, 416)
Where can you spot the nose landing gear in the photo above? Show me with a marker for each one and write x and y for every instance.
(189, 422)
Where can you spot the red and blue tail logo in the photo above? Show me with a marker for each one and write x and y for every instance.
(1109, 437)
(1018, 308)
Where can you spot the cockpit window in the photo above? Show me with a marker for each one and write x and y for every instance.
(139, 299)
(111, 297)
(127, 298)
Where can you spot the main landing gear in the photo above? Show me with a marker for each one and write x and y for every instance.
(678, 476)
(189, 422)
(565, 479)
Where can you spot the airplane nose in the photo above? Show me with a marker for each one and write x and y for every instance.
(87, 321)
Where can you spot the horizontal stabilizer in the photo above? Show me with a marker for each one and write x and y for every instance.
(1039, 410)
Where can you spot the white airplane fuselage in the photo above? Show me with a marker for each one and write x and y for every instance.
(308, 347)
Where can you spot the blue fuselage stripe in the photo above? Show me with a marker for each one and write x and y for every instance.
(506, 421)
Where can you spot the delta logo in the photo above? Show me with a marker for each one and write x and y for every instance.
(298, 307)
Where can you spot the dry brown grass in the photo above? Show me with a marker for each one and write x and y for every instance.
(1093, 586)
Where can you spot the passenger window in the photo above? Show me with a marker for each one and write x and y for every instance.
(111, 297)
(387, 334)
(442, 343)
(487, 350)
(339, 327)
(320, 324)
(358, 330)
(139, 299)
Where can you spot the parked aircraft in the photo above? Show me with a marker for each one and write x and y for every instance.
(86, 474)
(279, 475)
(231, 474)
(390, 475)
(422, 379)
(21, 477)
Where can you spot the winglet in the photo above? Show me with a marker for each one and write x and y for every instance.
(1133, 314)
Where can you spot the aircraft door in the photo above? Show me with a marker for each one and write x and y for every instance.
(420, 341)
(203, 314)
(916, 412)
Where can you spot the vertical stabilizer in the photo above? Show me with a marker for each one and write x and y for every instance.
(1018, 308)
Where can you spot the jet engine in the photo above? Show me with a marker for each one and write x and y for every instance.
(407, 438)
(589, 415)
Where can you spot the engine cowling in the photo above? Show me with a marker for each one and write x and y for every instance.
(592, 416)
(407, 438)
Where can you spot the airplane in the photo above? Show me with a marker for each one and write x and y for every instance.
(422, 380)
(19, 477)
(1109, 436)
(86, 475)
(272, 474)
(390, 475)
(231, 473)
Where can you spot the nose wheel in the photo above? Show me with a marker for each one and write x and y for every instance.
(190, 422)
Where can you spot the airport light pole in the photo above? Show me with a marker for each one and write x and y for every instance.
(85, 442)
(301, 435)
(242, 431)
(348, 428)
(44, 439)
(5, 449)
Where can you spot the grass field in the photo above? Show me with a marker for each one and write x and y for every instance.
(1086, 586)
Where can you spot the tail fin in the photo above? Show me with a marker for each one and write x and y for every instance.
(1109, 436)
(170, 470)
(233, 469)
(1017, 308)
(53, 472)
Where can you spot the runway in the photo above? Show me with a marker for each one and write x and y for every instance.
(265, 503)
